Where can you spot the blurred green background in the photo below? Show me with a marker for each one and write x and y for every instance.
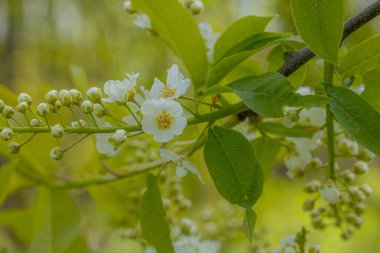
(43, 41)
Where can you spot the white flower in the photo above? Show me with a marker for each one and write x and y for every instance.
(143, 21)
(24, 97)
(330, 193)
(52, 96)
(105, 145)
(121, 91)
(163, 119)
(94, 94)
(42, 109)
(175, 86)
(6, 134)
(210, 39)
(57, 131)
(182, 165)
(289, 240)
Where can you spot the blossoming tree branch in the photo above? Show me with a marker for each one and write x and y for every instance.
(241, 121)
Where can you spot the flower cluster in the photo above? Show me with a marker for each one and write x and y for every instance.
(295, 244)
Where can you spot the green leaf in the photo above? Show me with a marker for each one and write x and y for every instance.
(154, 227)
(361, 58)
(278, 129)
(5, 178)
(266, 152)
(242, 51)
(178, 28)
(320, 25)
(372, 93)
(56, 222)
(360, 119)
(233, 166)
(239, 31)
(249, 223)
(18, 221)
(78, 76)
(268, 93)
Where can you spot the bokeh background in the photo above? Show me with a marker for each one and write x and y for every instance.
(44, 44)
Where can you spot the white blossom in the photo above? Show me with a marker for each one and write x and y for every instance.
(119, 136)
(94, 94)
(143, 21)
(24, 97)
(57, 131)
(104, 143)
(6, 134)
(330, 193)
(43, 109)
(314, 116)
(163, 119)
(182, 165)
(210, 39)
(52, 96)
(176, 85)
(121, 91)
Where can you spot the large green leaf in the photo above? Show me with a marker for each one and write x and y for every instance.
(268, 93)
(233, 166)
(372, 93)
(242, 51)
(5, 178)
(56, 222)
(154, 227)
(320, 25)
(249, 223)
(279, 129)
(266, 152)
(236, 33)
(361, 58)
(359, 119)
(178, 28)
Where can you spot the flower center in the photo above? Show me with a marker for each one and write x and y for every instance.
(167, 92)
(130, 95)
(164, 120)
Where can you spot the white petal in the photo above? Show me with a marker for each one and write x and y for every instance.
(103, 145)
(174, 76)
(172, 107)
(155, 91)
(169, 155)
(149, 125)
(163, 135)
(151, 107)
(182, 87)
(179, 125)
(180, 171)
(130, 120)
(192, 168)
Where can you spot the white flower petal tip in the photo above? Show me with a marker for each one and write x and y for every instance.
(121, 91)
(176, 85)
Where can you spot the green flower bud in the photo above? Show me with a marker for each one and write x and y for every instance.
(57, 131)
(24, 97)
(14, 148)
(8, 112)
(94, 94)
(128, 7)
(52, 96)
(57, 105)
(196, 7)
(100, 112)
(2, 105)
(76, 96)
(6, 134)
(35, 123)
(87, 107)
(42, 109)
(22, 107)
(56, 153)
(65, 97)
(360, 167)
(119, 137)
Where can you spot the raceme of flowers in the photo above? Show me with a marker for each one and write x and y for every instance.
(155, 112)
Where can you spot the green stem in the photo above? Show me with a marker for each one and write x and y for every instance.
(328, 80)
(75, 143)
(110, 114)
(133, 115)
(75, 115)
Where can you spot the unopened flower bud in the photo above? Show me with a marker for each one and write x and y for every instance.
(195, 7)
(42, 109)
(22, 107)
(347, 234)
(348, 176)
(128, 7)
(6, 134)
(360, 167)
(87, 107)
(330, 193)
(52, 96)
(14, 148)
(308, 205)
(76, 96)
(24, 97)
(94, 94)
(65, 97)
(119, 137)
(2, 106)
(100, 112)
(8, 112)
(57, 105)
(35, 123)
(56, 153)
(366, 189)
(312, 186)
(360, 208)
(57, 131)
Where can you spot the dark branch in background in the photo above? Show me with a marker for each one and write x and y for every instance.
(300, 57)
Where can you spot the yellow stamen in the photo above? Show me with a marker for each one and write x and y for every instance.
(164, 120)
(167, 92)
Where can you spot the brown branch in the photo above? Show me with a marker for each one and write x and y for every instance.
(300, 57)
